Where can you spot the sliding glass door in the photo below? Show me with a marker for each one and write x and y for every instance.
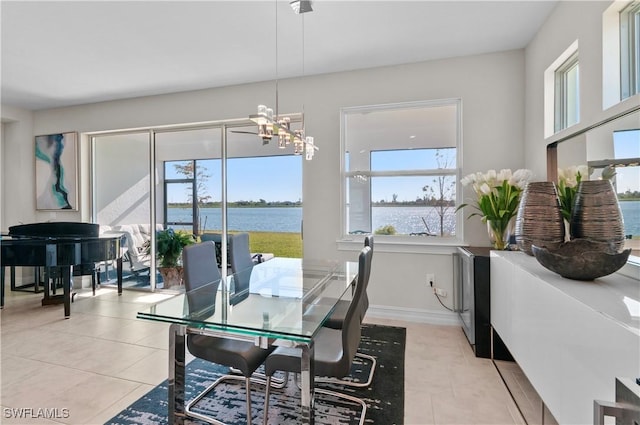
(122, 201)
(177, 178)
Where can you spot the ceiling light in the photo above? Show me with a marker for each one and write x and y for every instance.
(301, 6)
(270, 124)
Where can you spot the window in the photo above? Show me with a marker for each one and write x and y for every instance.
(630, 50)
(185, 181)
(626, 154)
(567, 93)
(400, 168)
(626, 147)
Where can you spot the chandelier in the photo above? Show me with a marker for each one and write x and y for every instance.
(270, 124)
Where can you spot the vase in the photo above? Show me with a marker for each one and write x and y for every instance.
(596, 214)
(539, 220)
(499, 233)
(171, 276)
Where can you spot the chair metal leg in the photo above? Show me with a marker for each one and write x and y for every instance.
(347, 397)
(203, 394)
(265, 412)
(317, 391)
(261, 378)
(248, 386)
(352, 383)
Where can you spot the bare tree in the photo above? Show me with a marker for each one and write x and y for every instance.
(441, 193)
(201, 190)
(201, 177)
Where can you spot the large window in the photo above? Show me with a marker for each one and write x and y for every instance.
(626, 146)
(188, 180)
(400, 168)
(626, 161)
(567, 93)
(630, 50)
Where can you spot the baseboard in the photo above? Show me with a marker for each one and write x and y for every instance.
(414, 315)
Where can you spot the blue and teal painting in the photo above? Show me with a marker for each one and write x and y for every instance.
(55, 171)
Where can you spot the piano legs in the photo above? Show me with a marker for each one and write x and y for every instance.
(64, 274)
(65, 298)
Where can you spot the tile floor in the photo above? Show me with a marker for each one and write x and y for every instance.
(99, 361)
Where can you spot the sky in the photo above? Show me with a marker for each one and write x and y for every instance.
(274, 178)
(626, 144)
(407, 188)
(279, 178)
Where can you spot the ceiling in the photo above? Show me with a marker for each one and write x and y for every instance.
(67, 53)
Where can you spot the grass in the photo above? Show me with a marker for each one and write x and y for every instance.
(281, 244)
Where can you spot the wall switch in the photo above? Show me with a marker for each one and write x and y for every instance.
(440, 292)
(431, 279)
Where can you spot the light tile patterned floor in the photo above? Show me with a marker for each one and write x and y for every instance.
(102, 359)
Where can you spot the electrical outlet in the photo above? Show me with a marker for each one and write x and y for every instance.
(440, 292)
(431, 279)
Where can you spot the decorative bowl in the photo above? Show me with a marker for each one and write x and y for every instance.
(581, 259)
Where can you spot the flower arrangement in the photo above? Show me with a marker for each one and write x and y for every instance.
(498, 197)
(568, 179)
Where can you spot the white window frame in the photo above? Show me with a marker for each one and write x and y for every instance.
(550, 89)
(630, 50)
(561, 93)
(398, 241)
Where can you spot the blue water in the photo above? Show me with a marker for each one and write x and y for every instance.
(405, 219)
(631, 216)
(286, 219)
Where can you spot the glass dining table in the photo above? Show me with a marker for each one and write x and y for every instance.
(281, 302)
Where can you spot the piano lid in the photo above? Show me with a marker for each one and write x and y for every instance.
(59, 228)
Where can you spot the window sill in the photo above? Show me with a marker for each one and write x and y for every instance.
(399, 244)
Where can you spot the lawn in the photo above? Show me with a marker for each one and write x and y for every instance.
(279, 243)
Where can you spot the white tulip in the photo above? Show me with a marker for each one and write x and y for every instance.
(504, 174)
(485, 189)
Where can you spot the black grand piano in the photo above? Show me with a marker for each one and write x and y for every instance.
(59, 247)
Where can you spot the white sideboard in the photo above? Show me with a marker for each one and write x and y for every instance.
(570, 338)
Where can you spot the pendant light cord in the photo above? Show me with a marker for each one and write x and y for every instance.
(276, 115)
(303, 84)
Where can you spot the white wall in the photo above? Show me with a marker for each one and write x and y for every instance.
(570, 21)
(17, 168)
(491, 87)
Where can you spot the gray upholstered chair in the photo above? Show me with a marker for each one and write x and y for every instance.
(334, 348)
(336, 321)
(241, 266)
(201, 280)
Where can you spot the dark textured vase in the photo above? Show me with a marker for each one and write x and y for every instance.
(596, 214)
(539, 220)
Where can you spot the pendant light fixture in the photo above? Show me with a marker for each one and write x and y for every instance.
(270, 123)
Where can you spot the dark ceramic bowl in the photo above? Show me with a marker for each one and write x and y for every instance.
(581, 259)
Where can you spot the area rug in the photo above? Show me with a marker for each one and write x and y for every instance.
(384, 398)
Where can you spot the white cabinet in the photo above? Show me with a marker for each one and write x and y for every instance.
(570, 338)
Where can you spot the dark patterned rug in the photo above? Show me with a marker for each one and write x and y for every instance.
(384, 398)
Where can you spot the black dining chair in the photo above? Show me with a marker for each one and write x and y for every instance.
(201, 280)
(336, 321)
(334, 348)
(241, 266)
(241, 262)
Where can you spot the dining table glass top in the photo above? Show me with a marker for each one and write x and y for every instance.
(284, 298)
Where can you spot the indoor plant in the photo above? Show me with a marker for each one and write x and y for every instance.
(497, 200)
(169, 245)
(568, 179)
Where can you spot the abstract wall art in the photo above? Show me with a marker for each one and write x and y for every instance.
(56, 171)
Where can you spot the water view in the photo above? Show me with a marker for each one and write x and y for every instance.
(405, 220)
